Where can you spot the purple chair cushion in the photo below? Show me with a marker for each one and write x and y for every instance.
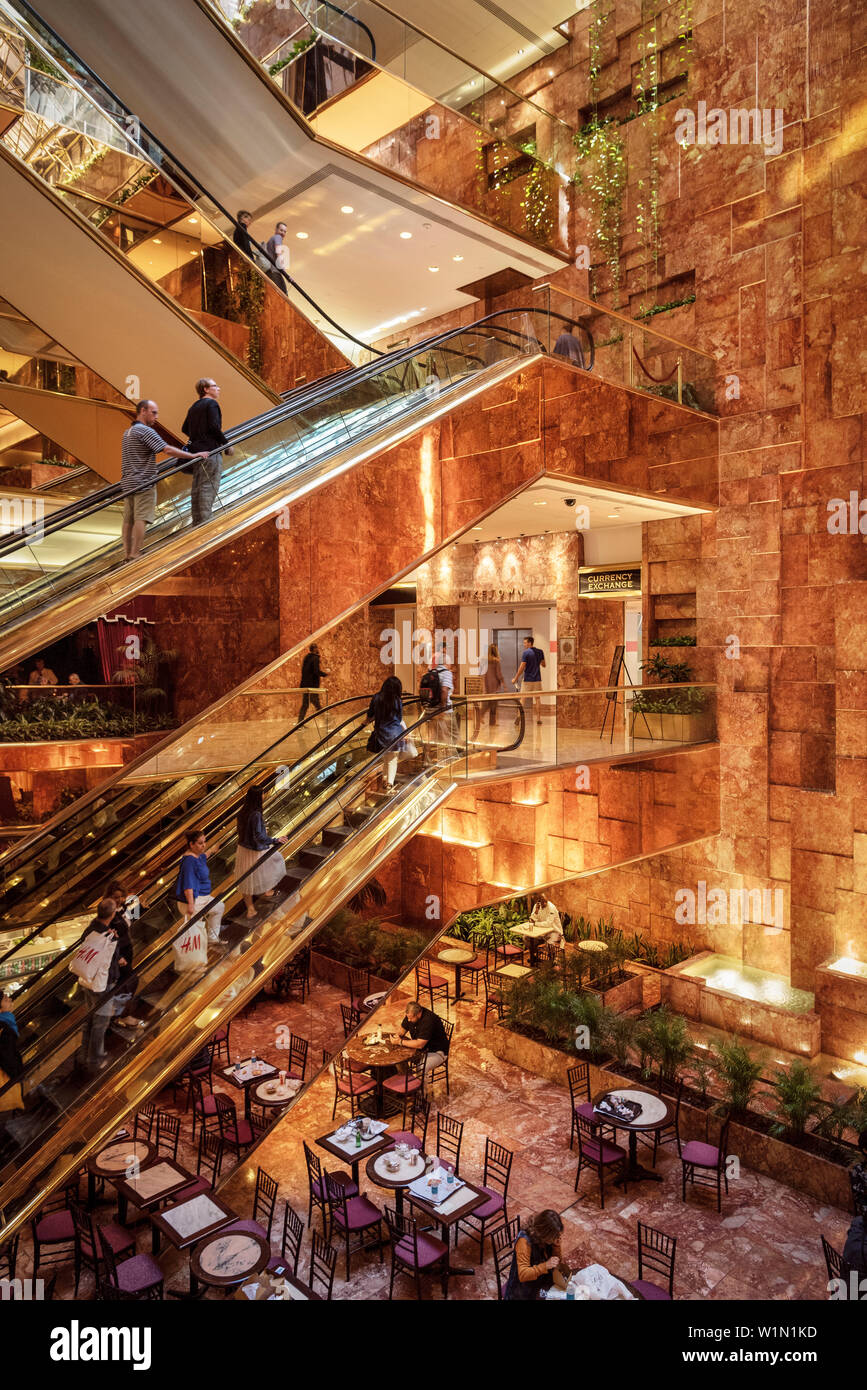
(585, 1109)
(206, 1106)
(705, 1155)
(244, 1133)
(610, 1153)
(402, 1085)
(198, 1185)
(406, 1136)
(248, 1225)
(356, 1088)
(359, 1213)
(436, 981)
(648, 1290)
(140, 1272)
(478, 963)
(489, 1208)
(55, 1225)
(430, 1249)
(320, 1190)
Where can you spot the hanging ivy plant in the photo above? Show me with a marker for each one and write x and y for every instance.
(537, 203)
(602, 156)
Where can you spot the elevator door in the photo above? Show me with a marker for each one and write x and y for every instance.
(510, 645)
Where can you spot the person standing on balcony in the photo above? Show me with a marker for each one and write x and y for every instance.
(204, 428)
(138, 474)
(529, 675)
(568, 346)
(42, 674)
(311, 678)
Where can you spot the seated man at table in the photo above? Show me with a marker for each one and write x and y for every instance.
(545, 914)
(424, 1030)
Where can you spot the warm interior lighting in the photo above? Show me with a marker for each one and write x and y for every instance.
(347, 209)
(540, 504)
(433, 269)
(157, 241)
(192, 219)
(302, 236)
(406, 236)
(848, 965)
(457, 258)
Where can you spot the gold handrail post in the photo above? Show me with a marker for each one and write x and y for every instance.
(679, 379)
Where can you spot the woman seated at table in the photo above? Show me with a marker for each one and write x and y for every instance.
(537, 1254)
(544, 914)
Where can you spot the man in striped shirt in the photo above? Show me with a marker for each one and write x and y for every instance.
(138, 473)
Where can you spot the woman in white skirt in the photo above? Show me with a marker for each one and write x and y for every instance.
(253, 842)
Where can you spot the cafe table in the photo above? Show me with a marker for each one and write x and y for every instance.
(120, 1158)
(228, 1258)
(150, 1187)
(381, 1176)
(242, 1075)
(378, 1059)
(534, 936)
(348, 1153)
(513, 972)
(184, 1223)
(450, 1211)
(275, 1095)
(656, 1113)
(456, 957)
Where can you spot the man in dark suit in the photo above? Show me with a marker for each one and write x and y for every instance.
(204, 424)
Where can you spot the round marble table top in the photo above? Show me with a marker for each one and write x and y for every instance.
(122, 1155)
(592, 945)
(276, 1093)
(229, 1258)
(455, 956)
(407, 1170)
(384, 1054)
(655, 1112)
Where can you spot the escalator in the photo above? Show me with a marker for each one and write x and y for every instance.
(199, 80)
(71, 569)
(340, 823)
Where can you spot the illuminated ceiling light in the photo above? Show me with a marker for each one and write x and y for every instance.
(477, 528)
(192, 219)
(406, 236)
(346, 208)
(434, 269)
(521, 52)
(302, 236)
(457, 258)
(157, 241)
(540, 504)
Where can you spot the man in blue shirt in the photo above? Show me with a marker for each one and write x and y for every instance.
(193, 888)
(531, 670)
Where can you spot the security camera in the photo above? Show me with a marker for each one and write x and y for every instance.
(570, 501)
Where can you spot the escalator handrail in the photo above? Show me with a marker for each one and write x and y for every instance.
(359, 24)
(37, 22)
(162, 943)
(333, 385)
(351, 699)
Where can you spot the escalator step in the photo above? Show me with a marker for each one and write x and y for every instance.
(314, 855)
(336, 834)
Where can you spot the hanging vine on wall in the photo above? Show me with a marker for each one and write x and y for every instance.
(646, 95)
(537, 203)
(251, 301)
(602, 159)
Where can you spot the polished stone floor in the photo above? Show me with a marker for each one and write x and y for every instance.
(764, 1245)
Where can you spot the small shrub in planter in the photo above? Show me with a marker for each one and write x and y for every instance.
(739, 1071)
(662, 1037)
(798, 1097)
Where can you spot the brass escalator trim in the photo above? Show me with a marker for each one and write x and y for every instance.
(194, 543)
(82, 225)
(150, 1065)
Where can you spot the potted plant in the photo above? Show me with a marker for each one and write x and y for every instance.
(680, 715)
(739, 1071)
(797, 1095)
(664, 1039)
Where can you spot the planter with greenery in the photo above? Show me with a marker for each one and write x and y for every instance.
(50, 721)
(681, 715)
(358, 941)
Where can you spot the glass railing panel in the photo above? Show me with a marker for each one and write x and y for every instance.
(628, 352)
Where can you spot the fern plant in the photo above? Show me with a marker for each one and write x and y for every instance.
(739, 1071)
(797, 1095)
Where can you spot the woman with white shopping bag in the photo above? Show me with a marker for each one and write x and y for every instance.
(193, 887)
(95, 963)
(263, 871)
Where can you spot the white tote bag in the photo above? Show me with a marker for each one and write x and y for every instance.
(92, 961)
(191, 947)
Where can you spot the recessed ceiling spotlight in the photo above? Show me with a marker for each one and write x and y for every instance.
(192, 219)
(157, 241)
(477, 528)
(302, 236)
(521, 52)
(433, 269)
(457, 258)
(406, 236)
(347, 208)
(540, 504)
(615, 515)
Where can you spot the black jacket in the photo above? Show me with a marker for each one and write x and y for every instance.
(252, 833)
(311, 671)
(204, 426)
(10, 1057)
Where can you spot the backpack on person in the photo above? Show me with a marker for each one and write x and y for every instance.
(430, 690)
